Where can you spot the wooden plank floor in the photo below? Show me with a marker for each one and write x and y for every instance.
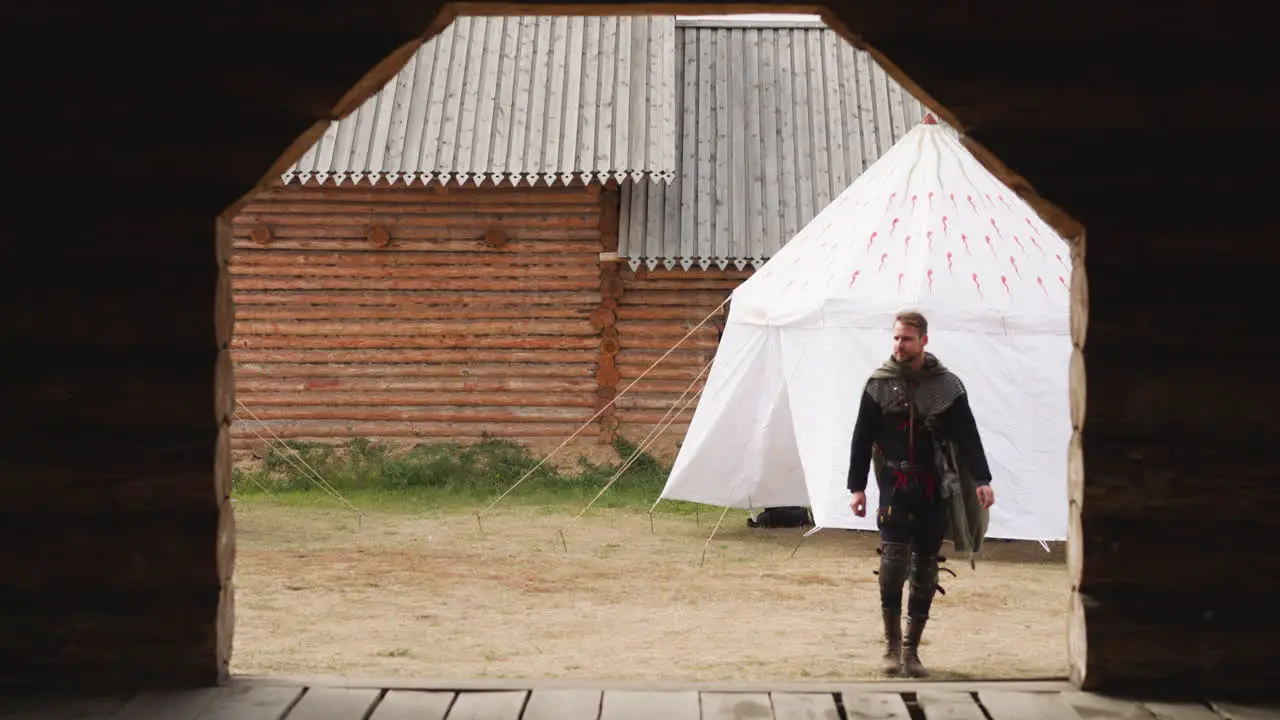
(250, 700)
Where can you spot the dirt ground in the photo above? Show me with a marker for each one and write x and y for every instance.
(430, 596)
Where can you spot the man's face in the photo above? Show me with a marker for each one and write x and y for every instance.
(908, 346)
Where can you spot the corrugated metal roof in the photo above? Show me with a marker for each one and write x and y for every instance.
(774, 124)
(536, 98)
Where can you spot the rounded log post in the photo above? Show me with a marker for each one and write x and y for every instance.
(605, 318)
(1077, 388)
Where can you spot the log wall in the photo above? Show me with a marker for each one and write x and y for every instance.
(416, 314)
(657, 309)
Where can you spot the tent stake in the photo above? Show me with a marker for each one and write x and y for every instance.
(797, 547)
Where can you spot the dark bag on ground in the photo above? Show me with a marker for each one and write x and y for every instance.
(782, 517)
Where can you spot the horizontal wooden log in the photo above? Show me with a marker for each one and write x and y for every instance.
(530, 217)
(664, 371)
(408, 211)
(480, 343)
(414, 312)
(381, 371)
(1217, 646)
(1178, 551)
(54, 486)
(274, 383)
(91, 309)
(383, 298)
(1175, 470)
(1151, 393)
(633, 342)
(407, 259)
(241, 284)
(664, 336)
(650, 384)
(647, 296)
(652, 418)
(643, 358)
(108, 636)
(691, 315)
(442, 414)
(520, 242)
(691, 284)
(401, 429)
(404, 399)
(135, 387)
(478, 269)
(559, 328)
(119, 549)
(443, 356)
(635, 400)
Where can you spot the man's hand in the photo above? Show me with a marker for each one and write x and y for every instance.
(986, 496)
(859, 504)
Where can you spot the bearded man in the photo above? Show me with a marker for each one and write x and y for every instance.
(915, 428)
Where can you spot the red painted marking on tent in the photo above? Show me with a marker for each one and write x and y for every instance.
(977, 284)
(1014, 262)
(931, 279)
(970, 199)
(930, 201)
(997, 227)
(1005, 281)
(953, 201)
(871, 239)
(944, 224)
(950, 269)
(1033, 227)
(883, 257)
(1020, 245)
(965, 239)
(1003, 202)
(1040, 281)
(890, 203)
(1033, 242)
(900, 281)
(854, 279)
(1060, 261)
(988, 197)
(893, 227)
(913, 204)
(1064, 283)
(993, 247)
(907, 243)
(928, 120)
(929, 235)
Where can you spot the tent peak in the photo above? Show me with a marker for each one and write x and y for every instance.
(929, 119)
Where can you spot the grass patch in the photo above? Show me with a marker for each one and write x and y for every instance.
(446, 475)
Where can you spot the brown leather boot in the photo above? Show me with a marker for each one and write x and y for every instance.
(891, 662)
(911, 665)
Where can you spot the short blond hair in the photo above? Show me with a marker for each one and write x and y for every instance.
(913, 319)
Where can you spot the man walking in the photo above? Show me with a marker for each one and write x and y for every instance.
(914, 423)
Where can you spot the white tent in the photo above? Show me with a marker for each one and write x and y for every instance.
(926, 227)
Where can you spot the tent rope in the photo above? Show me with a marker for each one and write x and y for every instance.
(649, 439)
(314, 476)
(707, 544)
(606, 406)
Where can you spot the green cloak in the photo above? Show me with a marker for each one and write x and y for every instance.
(967, 527)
